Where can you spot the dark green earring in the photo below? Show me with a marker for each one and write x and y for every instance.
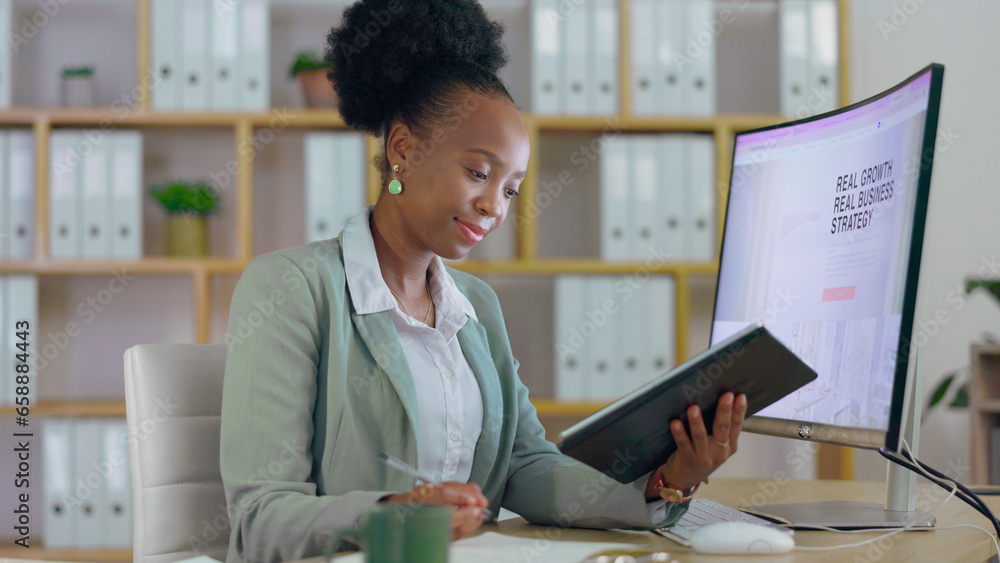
(395, 186)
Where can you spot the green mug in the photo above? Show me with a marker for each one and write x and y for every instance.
(401, 533)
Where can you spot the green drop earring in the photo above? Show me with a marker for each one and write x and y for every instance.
(395, 186)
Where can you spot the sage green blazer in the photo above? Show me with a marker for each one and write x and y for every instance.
(313, 391)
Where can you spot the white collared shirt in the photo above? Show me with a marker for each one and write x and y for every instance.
(449, 400)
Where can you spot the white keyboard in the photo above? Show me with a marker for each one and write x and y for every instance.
(702, 512)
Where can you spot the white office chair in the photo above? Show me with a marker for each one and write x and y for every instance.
(173, 402)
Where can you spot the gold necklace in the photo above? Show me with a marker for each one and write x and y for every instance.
(429, 305)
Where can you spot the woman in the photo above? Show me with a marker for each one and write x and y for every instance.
(367, 343)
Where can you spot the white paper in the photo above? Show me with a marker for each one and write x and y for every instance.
(500, 548)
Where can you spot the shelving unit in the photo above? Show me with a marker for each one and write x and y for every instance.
(212, 279)
(984, 406)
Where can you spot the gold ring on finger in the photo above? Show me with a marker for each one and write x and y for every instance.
(723, 444)
(425, 490)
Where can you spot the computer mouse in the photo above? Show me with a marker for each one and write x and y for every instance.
(741, 537)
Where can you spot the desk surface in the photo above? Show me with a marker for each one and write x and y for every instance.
(965, 545)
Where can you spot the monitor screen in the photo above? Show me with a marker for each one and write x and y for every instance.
(822, 240)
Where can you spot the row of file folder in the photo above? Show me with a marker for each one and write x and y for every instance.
(658, 197)
(575, 57)
(613, 334)
(6, 54)
(95, 194)
(809, 56)
(673, 54)
(17, 193)
(335, 182)
(211, 55)
(18, 332)
(86, 485)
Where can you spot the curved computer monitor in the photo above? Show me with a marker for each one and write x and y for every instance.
(823, 233)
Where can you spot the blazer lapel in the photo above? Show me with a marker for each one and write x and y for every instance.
(379, 335)
(475, 346)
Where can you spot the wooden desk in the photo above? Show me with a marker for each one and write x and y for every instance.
(965, 545)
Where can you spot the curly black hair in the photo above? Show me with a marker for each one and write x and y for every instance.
(412, 61)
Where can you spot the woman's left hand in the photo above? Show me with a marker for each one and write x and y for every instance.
(699, 454)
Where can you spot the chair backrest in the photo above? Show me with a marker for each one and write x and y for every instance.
(173, 402)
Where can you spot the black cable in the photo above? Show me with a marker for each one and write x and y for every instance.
(940, 480)
(958, 492)
(945, 482)
(969, 492)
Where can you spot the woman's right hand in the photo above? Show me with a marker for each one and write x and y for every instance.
(467, 498)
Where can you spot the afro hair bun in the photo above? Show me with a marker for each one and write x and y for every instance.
(382, 43)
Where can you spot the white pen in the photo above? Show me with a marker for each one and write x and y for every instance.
(401, 465)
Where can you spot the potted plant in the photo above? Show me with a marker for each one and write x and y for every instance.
(311, 73)
(187, 206)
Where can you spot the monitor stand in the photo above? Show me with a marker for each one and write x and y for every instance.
(900, 485)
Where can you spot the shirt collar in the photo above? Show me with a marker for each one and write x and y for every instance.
(369, 292)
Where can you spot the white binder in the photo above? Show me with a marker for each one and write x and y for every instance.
(700, 196)
(64, 209)
(646, 86)
(631, 345)
(255, 93)
(577, 79)
(166, 54)
(6, 55)
(616, 181)
(602, 344)
(88, 484)
(225, 39)
(6, 232)
(546, 36)
(644, 209)
(350, 184)
(604, 70)
(58, 468)
(794, 66)
(671, 64)
(661, 319)
(117, 484)
(6, 359)
(699, 75)
(126, 187)
(671, 211)
(21, 186)
(97, 200)
(22, 305)
(571, 346)
(322, 156)
(195, 54)
(823, 54)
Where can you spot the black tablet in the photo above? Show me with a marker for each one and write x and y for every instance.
(631, 436)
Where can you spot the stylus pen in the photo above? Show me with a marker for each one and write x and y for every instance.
(396, 463)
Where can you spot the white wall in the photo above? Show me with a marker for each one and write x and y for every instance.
(889, 40)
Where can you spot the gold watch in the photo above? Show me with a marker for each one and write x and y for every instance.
(670, 493)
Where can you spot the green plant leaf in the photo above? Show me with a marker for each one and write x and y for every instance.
(181, 197)
(306, 61)
(941, 390)
(961, 400)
